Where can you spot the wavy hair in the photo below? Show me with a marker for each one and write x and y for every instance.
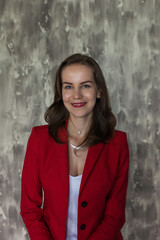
(103, 120)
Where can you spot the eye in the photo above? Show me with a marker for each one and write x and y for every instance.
(68, 87)
(86, 86)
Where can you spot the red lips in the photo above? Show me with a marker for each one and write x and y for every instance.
(78, 105)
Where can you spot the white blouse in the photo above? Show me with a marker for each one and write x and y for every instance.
(74, 185)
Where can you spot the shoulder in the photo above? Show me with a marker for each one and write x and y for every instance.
(43, 133)
(118, 146)
(119, 134)
(40, 136)
(40, 131)
(119, 139)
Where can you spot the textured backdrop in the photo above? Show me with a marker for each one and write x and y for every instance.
(124, 37)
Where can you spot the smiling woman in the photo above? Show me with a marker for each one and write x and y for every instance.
(82, 68)
(78, 159)
(79, 92)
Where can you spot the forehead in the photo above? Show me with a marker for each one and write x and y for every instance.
(77, 70)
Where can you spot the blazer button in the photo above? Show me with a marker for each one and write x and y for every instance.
(83, 226)
(84, 204)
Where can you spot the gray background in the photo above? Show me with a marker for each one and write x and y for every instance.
(124, 37)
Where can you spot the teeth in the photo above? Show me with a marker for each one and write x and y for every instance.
(78, 104)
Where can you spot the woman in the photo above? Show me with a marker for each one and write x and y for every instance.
(78, 159)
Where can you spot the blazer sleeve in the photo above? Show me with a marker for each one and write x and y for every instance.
(114, 216)
(31, 193)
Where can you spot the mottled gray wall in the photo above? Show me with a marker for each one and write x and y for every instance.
(124, 36)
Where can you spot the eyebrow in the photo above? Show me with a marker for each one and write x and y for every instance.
(80, 83)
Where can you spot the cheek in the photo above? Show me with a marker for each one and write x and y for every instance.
(92, 95)
(65, 96)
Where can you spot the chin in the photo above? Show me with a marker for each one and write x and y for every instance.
(84, 115)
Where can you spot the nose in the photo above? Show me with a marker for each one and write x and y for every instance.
(77, 93)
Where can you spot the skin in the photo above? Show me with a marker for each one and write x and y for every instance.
(79, 94)
(79, 91)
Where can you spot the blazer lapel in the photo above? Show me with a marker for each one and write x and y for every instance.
(62, 153)
(92, 157)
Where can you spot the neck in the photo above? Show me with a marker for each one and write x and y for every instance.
(79, 126)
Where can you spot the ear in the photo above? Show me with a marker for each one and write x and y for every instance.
(98, 94)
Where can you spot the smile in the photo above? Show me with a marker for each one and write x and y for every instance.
(78, 105)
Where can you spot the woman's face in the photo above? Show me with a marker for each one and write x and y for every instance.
(79, 90)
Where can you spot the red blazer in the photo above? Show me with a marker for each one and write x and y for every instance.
(102, 196)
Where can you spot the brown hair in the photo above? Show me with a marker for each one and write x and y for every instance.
(103, 120)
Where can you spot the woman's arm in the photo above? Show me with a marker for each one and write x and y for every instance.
(114, 216)
(31, 194)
